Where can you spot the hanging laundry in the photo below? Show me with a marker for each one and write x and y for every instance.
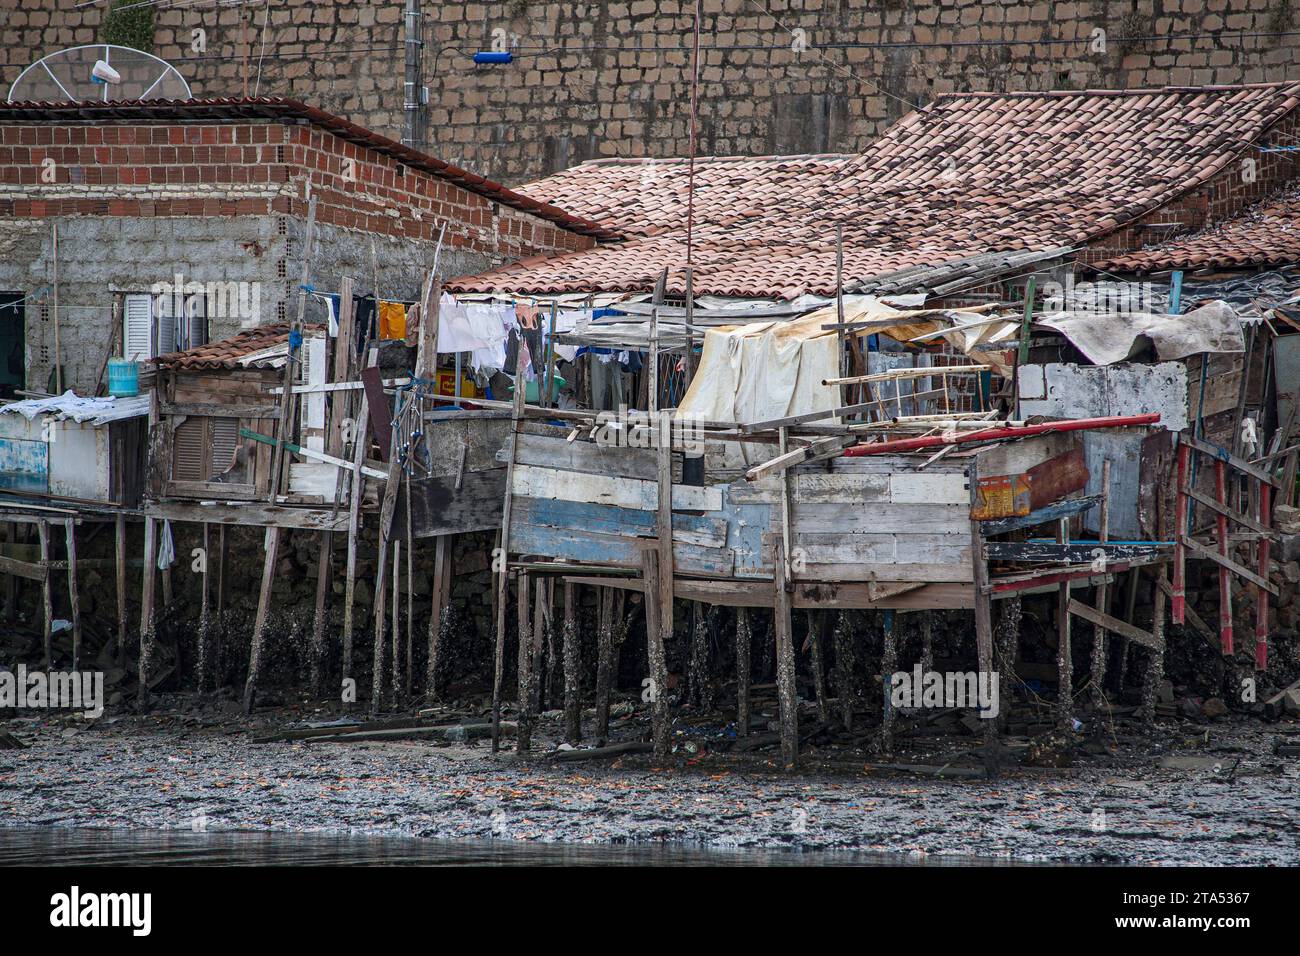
(364, 311)
(527, 315)
(392, 320)
(413, 326)
(478, 328)
(332, 305)
(570, 321)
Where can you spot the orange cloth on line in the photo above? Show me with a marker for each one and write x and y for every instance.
(392, 320)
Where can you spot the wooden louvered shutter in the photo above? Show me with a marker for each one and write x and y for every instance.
(189, 463)
(225, 439)
(137, 327)
(167, 333)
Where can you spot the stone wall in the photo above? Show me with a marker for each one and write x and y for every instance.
(611, 77)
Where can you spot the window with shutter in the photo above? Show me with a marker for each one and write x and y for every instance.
(189, 461)
(225, 440)
(137, 326)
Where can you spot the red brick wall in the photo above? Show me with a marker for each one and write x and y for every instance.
(358, 188)
(1228, 193)
(254, 169)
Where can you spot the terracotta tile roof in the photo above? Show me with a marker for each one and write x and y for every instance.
(276, 108)
(1263, 237)
(227, 352)
(967, 174)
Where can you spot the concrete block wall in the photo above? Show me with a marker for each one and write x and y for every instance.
(611, 77)
(100, 255)
(135, 204)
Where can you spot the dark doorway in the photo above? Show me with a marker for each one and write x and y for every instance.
(13, 342)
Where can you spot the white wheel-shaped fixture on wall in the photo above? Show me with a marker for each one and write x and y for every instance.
(101, 73)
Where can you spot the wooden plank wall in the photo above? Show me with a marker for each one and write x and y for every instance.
(860, 519)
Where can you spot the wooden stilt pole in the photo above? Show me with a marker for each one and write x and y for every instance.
(658, 664)
(1008, 649)
(205, 624)
(540, 632)
(844, 668)
(744, 643)
(11, 580)
(284, 432)
(1225, 549)
(272, 558)
(785, 661)
(410, 596)
(119, 542)
(381, 615)
(983, 604)
(572, 664)
(149, 574)
(501, 561)
(223, 547)
(524, 693)
(1099, 635)
(888, 665)
(1155, 669)
(356, 491)
(604, 662)
(70, 535)
(47, 598)
(323, 574)
(661, 595)
(1064, 659)
(437, 617)
(816, 625)
(397, 619)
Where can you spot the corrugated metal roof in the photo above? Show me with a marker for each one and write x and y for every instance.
(277, 108)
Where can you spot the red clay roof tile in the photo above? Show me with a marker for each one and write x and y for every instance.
(968, 174)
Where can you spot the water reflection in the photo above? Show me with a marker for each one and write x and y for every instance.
(87, 847)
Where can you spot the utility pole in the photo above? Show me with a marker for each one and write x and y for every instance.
(414, 133)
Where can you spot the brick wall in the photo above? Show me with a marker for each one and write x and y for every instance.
(606, 94)
(254, 168)
(137, 203)
(1235, 188)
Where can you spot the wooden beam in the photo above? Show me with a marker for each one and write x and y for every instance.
(210, 410)
(1108, 623)
(816, 449)
(1230, 514)
(31, 571)
(1052, 512)
(1199, 550)
(1221, 454)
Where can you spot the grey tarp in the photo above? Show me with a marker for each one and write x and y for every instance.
(1108, 337)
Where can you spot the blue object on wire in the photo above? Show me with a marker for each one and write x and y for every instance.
(295, 339)
(491, 56)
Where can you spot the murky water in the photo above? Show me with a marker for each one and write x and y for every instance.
(27, 846)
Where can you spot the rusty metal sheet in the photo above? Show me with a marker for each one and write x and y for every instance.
(1014, 496)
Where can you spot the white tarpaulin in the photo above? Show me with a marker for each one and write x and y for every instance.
(766, 370)
(97, 411)
(1109, 337)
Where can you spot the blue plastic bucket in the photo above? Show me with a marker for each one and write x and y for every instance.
(123, 378)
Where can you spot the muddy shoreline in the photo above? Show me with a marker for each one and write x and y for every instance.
(1179, 796)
